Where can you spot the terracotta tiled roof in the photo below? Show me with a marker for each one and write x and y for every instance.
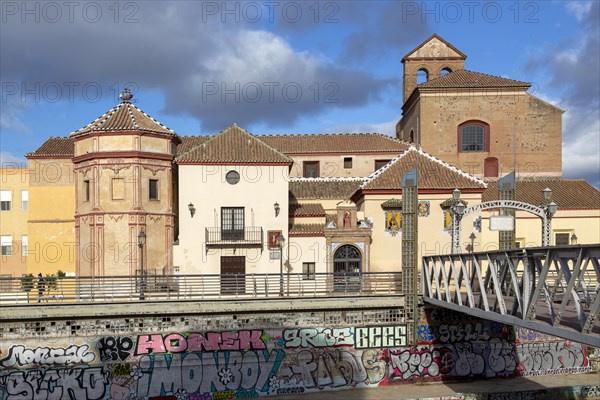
(234, 145)
(124, 117)
(433, 174)
(468, 79)
(350, 143)
(189, 142)
(392, 203)
(567, 193)
(323, 188)
(306, 229)
(59, 147)
(307, 210)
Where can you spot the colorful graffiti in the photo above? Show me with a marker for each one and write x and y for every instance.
(256, 363)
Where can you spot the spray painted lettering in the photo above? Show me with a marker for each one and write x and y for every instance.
(318, 337)
(19, 356)
(114, 348)
(196, 342)
(380, 336)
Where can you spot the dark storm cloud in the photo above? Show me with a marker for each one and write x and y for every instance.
(390, 26)
(182, 49)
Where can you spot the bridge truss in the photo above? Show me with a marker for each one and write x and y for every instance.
(554, 290)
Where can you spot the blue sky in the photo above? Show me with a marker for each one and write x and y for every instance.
(282, 67)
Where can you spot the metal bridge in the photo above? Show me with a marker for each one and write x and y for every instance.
(553, 290)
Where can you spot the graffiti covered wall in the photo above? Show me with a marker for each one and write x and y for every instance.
(256, 362)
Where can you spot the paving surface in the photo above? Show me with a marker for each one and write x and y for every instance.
(548, 387)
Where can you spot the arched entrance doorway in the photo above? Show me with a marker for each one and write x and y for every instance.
(347, 263)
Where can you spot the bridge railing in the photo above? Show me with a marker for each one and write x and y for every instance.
(195, 287)
(558, 285)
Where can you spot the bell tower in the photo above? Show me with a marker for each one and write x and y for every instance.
(434, 57)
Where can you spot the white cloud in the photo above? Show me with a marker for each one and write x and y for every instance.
(578, 8)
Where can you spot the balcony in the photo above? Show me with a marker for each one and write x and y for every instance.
(249, 236)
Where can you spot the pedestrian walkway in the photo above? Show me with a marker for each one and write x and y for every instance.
(550, 387)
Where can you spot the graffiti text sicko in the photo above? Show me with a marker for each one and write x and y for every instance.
(196, 342)
(19, 356)
(64, 383)
(318, 337)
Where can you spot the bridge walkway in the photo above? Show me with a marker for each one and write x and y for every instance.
(555, 387)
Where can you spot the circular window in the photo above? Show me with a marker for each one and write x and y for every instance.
(232, 177)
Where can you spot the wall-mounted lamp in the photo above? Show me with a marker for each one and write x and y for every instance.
(277, 208)
(192, 209)
(573, 239)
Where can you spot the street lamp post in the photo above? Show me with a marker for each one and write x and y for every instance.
(550, 209)
(472, 250)
(457, 210)
(281, 243)
(141, 240)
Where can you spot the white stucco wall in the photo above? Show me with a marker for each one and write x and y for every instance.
(259, 187)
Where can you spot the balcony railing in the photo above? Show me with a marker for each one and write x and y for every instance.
(247, 236)
(118, 289)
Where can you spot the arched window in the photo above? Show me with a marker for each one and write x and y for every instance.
(347, 265)
(411, 137)
(473, 136)
(445, 71)
(490, 167)
(422, 76)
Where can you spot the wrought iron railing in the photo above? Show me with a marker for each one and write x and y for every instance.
(198, 287)
(249, 236)
(558, 287)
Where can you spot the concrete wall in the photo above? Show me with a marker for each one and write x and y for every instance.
(239, 355)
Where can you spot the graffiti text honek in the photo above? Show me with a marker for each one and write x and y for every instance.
(318, 337)
(19, 356)
(380, 336)
(197, 342)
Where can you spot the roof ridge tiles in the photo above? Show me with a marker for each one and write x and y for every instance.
(326, 179)
(458, 72)
(452, 167)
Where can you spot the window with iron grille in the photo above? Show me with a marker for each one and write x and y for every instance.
(232, 223)
(473, 136)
